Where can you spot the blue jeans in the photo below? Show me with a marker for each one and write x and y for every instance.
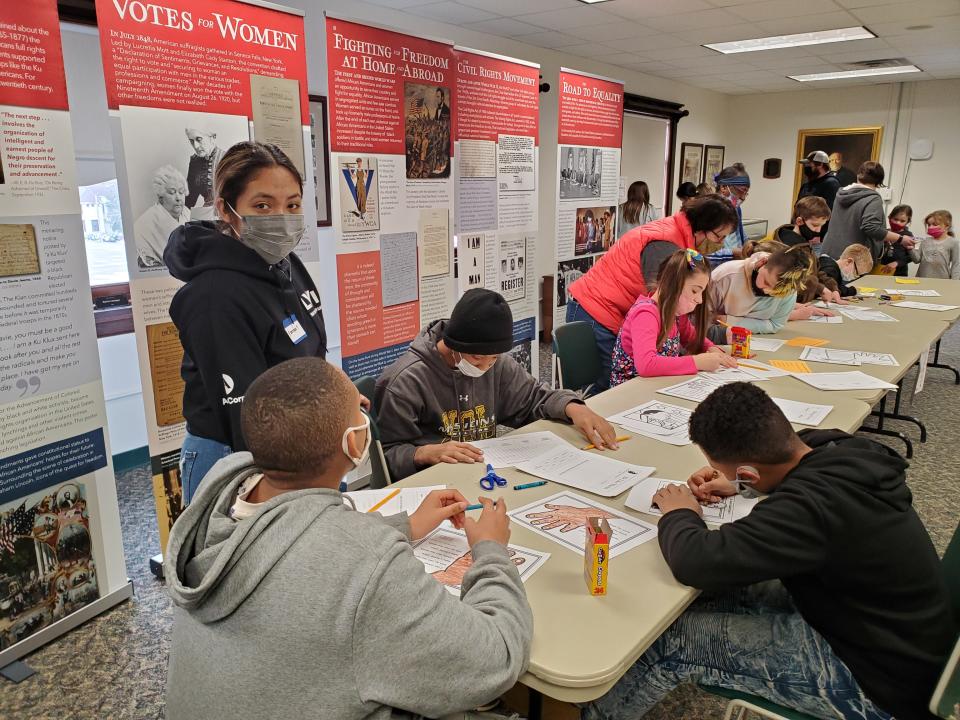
(197, 456)
(752, 640)
(605, 342)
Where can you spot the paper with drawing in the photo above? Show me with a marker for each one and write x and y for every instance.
(592, 472)
(727, 510)
(517, 448)
(657, 420)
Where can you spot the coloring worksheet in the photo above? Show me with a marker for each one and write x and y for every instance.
(587, 471)
(853, 380)
(406, 500)
(657, 420)
(563, 519)
(727, 510)
(912, 293)
(925, 306)
(868, 314)
(731, 375)
(828, 319)
(696, 389)
(445, 554)
(847, 357)
(759, 370)
(802, 413)
(517, 448)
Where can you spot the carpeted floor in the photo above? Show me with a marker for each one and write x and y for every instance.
(114, 667)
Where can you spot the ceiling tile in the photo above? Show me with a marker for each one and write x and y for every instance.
(592, 50)
(740, 31)
(505, 27)
(692, 21)
(622, 58)
(616, 31)
(849, 4)
(512, 8)
(450, 12)
(645, 45)
(633, 10)
(685, 52)
(913, 13)
(399, 4)
(776, 9)
(569, 19)
(550, 39)
(809, 23)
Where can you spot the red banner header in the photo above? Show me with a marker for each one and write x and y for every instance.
(496, 97)
(31, 58)
(591, 111)
(197, 54)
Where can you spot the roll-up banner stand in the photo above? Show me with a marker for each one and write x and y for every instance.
(61, 553)
(185, 82)
(590, 136)
(392, 100)
(496, 170)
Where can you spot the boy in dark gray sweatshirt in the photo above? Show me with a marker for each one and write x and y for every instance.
(456, 384)
(289, 604)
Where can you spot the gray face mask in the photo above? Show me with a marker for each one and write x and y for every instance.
(272, 237)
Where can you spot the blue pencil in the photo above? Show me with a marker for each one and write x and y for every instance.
(477, 506)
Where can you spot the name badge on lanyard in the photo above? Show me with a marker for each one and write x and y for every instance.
(294, 329)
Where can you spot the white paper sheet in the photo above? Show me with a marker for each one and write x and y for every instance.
(828, 319)
(912, 293)
(696, 389)
(563, 518)
(727, 510)
(657, 420)
(407, 501)
(828, 355)
(761, 371)
(766, 344)
(445, 554)
(514, 449)
(922, 370)
(867, 314)
(924, 306)
(592, 472)
(853, 380)
(730, 375)
(803, 413)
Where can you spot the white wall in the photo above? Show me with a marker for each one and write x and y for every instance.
(766, 126)
(644, 154)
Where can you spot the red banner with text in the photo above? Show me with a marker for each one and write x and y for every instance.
(591, 111)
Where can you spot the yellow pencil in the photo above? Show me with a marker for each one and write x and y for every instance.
(383, 502)
(591, 446)
(721, 322)
(755, 367)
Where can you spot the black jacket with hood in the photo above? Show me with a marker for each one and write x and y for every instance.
(841, 534)
(231, 315)
(826, 187)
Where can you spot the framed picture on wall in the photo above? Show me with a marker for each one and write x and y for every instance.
(712, 162)
(691, 162)
(321, 157)
(847, 148)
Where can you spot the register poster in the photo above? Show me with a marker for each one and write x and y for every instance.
(392, 115)
(496, 167)
(185, 81)
(60, 545)
(590, 135)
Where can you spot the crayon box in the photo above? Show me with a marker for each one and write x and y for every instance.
(596, 556)
(740, 345)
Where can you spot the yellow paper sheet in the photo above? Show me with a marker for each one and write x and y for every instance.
(906, 281)
(803, 341)
(794, 366)
(866, 289)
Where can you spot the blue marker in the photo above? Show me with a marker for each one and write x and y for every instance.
(530, 485)
(478, 506)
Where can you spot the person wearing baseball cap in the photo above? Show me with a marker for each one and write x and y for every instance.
(457, 382)
(819, 180)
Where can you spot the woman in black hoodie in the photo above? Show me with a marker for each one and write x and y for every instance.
(248, 302)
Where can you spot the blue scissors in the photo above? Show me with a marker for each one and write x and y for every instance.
(491, 480)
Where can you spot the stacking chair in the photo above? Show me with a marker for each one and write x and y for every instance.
(379, 472)
(577, 357)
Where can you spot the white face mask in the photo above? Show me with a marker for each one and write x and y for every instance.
(469, 369)
(357, 462)
(848, 275)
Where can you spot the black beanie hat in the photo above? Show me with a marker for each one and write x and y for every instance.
(481, 324)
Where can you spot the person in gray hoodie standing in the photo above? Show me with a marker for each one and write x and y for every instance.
(290, 604)
(456, 384)
(858, 217)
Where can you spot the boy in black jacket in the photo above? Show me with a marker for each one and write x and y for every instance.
(861, 625)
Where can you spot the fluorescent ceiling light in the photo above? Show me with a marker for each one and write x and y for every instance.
(798, 40)
(845, 74)
(591, 2)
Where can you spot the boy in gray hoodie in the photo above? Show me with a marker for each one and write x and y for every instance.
(456, 384)
(289, 604)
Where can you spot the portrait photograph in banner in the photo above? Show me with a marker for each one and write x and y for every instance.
(393, 111)
(181, 92)
(496, 166)
(590, 135)
(60, 544)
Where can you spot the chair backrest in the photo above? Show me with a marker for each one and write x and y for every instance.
(578, 360)
(379, 472)
(951, 571)
(367, 385)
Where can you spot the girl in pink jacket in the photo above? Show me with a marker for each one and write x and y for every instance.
(665, 334)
